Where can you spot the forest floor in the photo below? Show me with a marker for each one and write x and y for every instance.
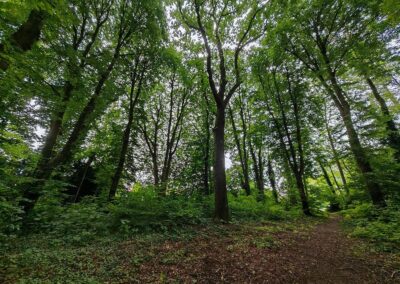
(305, 251)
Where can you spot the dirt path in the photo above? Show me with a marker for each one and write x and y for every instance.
(303, 253)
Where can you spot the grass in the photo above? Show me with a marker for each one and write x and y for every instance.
(41, 258)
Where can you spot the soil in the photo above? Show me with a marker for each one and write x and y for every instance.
(315, 252)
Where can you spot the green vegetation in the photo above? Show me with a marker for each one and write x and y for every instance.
(150, 121)
(380, 226)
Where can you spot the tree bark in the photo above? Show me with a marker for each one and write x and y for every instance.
(27, 34)
(258, 170)
(221, 200)
(243, 161)
(359, 154)
(272, 181)
(336, 158)
(294, 161)
(327, 179)
(32, 195)
(303, 197)
(392, 131)
(127, 133)
(206, 168)
(78, 191)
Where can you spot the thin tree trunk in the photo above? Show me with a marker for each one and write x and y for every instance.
(360, 156)
(392, 131)
(127, 134)
(334, 177)
(206, 168)
(327, 179)
(336, 158)
(258, 171)
(334, 205)
(245, 178)
(272, 181)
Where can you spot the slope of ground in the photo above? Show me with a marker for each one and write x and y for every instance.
(306, 251)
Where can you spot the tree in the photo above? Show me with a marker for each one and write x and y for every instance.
(320, 36)
(24, 37)
(165, 122)
(283, 97)
(214, 21)
(118, 22)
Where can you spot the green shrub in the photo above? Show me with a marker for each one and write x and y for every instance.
(381, 226)
(145, 210)
(139, 211)
(248, 208)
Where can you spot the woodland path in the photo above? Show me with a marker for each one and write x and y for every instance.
(319, 252)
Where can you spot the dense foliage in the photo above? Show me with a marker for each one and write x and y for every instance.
(121, 117)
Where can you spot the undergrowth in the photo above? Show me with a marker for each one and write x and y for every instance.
(379, 226)
(82, 242)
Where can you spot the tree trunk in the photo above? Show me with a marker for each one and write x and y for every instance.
(303, 196)
(334, 204)
(26, 35)
(89, 162)
(327, 179)
(206, 169)
(392, 131)
(44, 168)
(355, 145)
(340, 101)
(258, 171)
(336, 157)
(126, 136)
(221, 198)
(334, 177)
(243, 161)
(272, 181)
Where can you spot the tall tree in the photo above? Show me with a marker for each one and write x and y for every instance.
(284, 98)
(137, 74)
(219, 24)
(321, 35)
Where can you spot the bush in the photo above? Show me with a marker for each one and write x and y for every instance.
(381, 226)
(139, 211)
(248, 208)
(145, 210)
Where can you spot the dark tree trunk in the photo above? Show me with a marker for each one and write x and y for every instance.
(258, 170)
(392, 131)
(242, 155)
(294, 161)
(83, 121)
(327, 179)
(362, 161)
(272, 181)
(340, 101)
(80, 126)
(334, 205)
(303, 197)
(78, 191)
(360, 156)
(44, 168)
(26, 35)
(127, 134)
(206, 169)
(334, 177)
(221, 200)
(336, 158)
